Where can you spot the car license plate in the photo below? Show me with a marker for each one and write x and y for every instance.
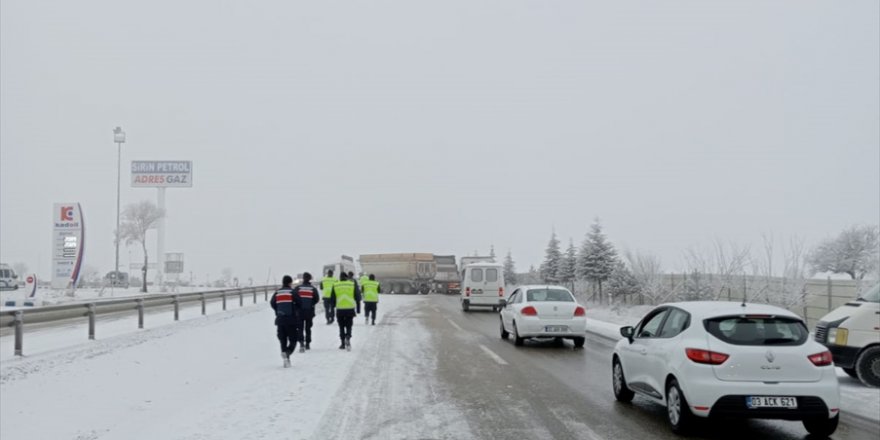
(556, 328)
(771, 402)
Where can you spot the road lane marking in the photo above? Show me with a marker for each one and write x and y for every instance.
(452, 323)
(494, 356)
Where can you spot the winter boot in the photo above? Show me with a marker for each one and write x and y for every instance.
(342, 345)
(366, 320)
(308, 345)
(374, 322)
(302, 348)
(286, 357)
(347, 344)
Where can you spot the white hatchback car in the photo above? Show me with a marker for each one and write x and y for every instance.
(543, 312)
(728, 360)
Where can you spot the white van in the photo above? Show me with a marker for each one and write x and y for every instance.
(482, 285)
(852, 334)
(8, 278)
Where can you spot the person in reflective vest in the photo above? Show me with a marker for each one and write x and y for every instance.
(347, 299)
(326, 289)
(364, 278)
(285, 304)
(308, 299)
(354, 280)
(371, 290)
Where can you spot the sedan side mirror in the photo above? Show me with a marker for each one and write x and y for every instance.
(627, 332)
(503, 303)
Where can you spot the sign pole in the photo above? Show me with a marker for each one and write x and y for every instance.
(160, 245)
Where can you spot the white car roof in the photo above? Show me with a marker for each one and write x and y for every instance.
(709, 309)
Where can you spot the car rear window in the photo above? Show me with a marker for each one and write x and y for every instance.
(476, 275)
(757, 330)
(539, 295)
(491, 275)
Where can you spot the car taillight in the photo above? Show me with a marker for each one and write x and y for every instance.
(821, 359)
(467, 292)
(501, 292)
(529, 311)
(580, 311)
(705, 356)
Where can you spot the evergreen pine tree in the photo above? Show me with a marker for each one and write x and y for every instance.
(622, 283)
(597, 257)
(568, 268)
(552, 260)
(509, 269)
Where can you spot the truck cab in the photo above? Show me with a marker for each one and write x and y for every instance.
(852, 334)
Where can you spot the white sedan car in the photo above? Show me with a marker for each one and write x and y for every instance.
(543, 312)
(728, 360)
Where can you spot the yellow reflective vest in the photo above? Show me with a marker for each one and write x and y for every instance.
(327, 286)
(371, 290)
(344, 293)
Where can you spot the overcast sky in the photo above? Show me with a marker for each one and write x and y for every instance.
(318, 128)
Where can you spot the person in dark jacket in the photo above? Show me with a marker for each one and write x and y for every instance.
(347, 299)
(285, 304)
(308, 299)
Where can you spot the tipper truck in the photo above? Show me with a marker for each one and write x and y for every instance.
(401, 273)
(447, 279)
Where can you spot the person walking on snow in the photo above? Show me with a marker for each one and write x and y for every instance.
(371, 291)
(327, 288)
(308, 299)
(285, 304)
(347, 299)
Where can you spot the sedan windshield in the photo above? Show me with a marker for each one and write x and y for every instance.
(540, 295)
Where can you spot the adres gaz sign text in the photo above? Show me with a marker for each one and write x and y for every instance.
(161, 173)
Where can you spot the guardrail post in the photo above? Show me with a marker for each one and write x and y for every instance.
(176, 308)
(224, 301)
(255, 296)
(19, 332)
(240, 298)
(91, 321)
(203, 303)
(140, 309)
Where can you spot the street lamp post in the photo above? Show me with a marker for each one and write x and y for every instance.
(119, 139)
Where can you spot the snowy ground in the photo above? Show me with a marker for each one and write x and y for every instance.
(146, 384)
(855, 397)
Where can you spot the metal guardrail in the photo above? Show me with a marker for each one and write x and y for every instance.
(91, 310)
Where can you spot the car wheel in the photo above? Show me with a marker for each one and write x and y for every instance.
(868, 367)
(465, 306)
(851, 372)
(678, 413)
(504, 333)
(621, 392)
(822, 427)
(579, 342)
(518, 341)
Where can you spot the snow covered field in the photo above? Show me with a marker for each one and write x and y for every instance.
(220, 377)
(855, 397)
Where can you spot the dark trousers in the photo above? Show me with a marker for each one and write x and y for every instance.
(328, 309)
(305, 329)
(345, 319)
(287, 337)
(370, 307)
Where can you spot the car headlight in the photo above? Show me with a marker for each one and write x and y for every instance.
(832, 335)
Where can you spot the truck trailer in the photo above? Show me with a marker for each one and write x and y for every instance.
(447, 279)
(401, 273)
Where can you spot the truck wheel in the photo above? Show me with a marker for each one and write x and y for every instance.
(868, 366)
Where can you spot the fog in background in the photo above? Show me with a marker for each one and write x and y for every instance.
(322, 128)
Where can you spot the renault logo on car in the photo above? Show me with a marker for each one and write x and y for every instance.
(770, 356)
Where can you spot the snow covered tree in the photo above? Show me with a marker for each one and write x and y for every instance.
(646, 268)
(854, 251)
(622, 283)
(597, 257)
(137, 219)
(697, 287)
(552, 260)
(509, 269)
(568, 268)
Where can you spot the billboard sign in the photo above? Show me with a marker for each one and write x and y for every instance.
(68, 234)
(161, 173)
